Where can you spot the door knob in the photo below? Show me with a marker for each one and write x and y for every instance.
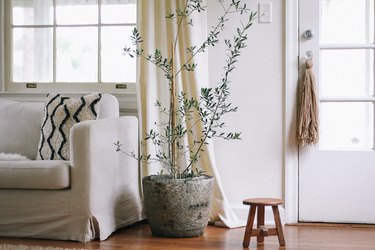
(308, 34)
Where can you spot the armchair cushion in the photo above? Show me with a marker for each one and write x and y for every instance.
(34, 174)
(61, 113)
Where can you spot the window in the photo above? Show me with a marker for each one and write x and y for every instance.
(347, 75)
(69, 44)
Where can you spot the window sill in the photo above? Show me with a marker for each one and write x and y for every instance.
(127, 100)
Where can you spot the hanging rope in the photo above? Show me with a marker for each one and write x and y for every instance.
(308, 122)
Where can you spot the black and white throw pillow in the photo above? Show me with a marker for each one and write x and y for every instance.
(61, 113)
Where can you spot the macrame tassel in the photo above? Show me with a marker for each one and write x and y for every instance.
(308, 122)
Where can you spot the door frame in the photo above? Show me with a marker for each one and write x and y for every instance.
(291, 76)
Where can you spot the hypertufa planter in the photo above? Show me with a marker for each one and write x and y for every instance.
(177, 207)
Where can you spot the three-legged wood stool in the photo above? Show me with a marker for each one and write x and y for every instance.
(261, 231)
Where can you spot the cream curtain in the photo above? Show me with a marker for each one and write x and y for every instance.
(159, 33)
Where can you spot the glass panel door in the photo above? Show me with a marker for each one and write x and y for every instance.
(336, 176)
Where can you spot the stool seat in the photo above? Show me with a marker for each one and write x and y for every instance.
(261, 230)
(263, 201)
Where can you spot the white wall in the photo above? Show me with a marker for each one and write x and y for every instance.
(253, 167)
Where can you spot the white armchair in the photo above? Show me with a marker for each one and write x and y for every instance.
(88, 197)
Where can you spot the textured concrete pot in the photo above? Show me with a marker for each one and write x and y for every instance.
(177, 207)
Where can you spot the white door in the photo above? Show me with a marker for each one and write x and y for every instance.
(337, 176)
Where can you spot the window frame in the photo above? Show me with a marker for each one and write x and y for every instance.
(63, 87)
(326, 99)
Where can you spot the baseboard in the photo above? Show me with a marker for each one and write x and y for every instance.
(242, 212)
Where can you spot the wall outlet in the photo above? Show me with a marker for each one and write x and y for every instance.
(265, 12)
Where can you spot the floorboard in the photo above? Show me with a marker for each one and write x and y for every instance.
(301, 237)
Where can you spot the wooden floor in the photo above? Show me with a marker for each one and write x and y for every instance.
(310, 236)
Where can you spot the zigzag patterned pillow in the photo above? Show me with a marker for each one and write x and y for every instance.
(61, 113)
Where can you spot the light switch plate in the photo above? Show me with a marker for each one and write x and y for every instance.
(265, 12)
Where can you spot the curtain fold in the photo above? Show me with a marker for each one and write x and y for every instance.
(159, 33)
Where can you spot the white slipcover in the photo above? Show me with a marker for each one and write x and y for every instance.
(35, 174)
(103, 193)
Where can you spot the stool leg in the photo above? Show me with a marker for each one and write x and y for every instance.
(260, 222)
(249, 226)
(279, 227)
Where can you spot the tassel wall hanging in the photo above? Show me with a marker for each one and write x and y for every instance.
(308, 120)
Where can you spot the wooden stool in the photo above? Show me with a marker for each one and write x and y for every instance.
(261, 231)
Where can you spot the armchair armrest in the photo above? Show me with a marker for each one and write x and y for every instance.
(104, 180)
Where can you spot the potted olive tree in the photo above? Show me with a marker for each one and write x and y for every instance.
(178, 202)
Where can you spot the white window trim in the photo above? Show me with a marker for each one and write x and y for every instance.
(290, 111)
(127, 101)
(2, 85)
(14, 87)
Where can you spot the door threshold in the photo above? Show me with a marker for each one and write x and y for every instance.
(331, 224)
